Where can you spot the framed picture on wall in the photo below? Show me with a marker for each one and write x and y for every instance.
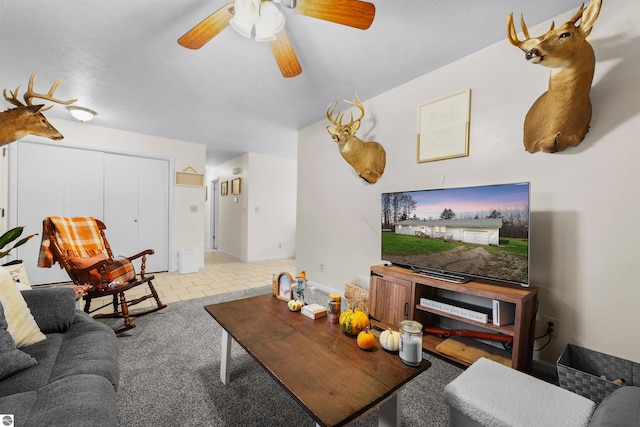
(235, 185)
(224, 188)
(443, 127)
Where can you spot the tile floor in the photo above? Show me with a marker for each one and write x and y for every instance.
(222, 273)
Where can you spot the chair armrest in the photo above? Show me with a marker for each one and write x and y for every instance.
(52, 308)
(143, 264)
(143, 253)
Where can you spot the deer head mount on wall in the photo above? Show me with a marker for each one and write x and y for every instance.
(27, 118)
(368, 158)
(560, 117)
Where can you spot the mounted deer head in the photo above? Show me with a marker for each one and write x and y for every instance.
(560, 117)
(367, 158)
(27, 118)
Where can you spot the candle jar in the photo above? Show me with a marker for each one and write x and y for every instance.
(333, 312)
(410, 342)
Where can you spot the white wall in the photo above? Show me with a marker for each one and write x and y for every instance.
(186, 227)
(584, 200)
(258, 224)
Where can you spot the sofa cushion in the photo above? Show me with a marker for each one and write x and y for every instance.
(46, 353)
(19, 405)
(21, 325)
(620, 409)
(53, 309)
(78, 400)
(12, 360)
(88, 347)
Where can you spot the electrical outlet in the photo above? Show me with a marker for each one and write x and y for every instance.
(546, 320)
(321, 268)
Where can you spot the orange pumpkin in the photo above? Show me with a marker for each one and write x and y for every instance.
(353, 322)
(366, 340)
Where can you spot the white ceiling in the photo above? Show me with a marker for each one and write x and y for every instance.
(121, 58)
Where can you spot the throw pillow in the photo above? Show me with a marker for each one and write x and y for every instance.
(92, 277)
(120, 271)
(21, 324)
(12, 360)
(19, 275)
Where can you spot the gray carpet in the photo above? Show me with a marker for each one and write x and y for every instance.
(169, 375)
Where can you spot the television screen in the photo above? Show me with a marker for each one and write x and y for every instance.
(459, 233)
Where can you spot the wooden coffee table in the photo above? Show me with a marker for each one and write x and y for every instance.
(321, 367)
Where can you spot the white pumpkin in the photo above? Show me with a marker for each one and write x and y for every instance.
(390, 340)
(295, 305)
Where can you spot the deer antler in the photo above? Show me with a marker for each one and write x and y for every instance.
(13, 100)
(338, 120)
(29, 95)
(359, 105)
(513, 34)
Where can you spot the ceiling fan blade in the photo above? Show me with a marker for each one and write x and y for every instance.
(353, 13)
(199, 35)
(285, 55)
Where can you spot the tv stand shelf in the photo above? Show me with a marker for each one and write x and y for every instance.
(396, 292)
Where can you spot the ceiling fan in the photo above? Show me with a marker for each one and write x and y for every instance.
(263, 19)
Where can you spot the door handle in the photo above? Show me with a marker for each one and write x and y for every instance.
(406, 309)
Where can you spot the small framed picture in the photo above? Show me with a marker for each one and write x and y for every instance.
(285, 283)
(224, 188)
(235, 185)
(443, 127)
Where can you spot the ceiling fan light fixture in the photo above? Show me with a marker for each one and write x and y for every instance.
(270, 22)
(246, 15)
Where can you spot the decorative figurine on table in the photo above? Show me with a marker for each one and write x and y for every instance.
(301, 284)
(298, 292)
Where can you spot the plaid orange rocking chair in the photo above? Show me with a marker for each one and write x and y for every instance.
(81, 248)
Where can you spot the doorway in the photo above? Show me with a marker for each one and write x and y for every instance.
(214, 214)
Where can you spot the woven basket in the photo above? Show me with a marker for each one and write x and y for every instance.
(356, 297)
(591, 374)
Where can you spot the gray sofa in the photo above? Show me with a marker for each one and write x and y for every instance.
(75, 380)
(491, 394)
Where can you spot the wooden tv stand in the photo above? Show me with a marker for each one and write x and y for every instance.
(395, 295)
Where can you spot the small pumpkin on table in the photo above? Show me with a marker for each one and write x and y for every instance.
(353, 321)
(295, 305)
(366, 340)
(390, 340)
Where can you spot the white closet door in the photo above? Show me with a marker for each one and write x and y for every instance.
(137, 207)
(153, 211)
(121, 203)
(54, 181)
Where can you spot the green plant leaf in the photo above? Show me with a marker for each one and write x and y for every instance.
(10, 236)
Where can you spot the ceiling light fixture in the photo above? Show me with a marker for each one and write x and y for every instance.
(263, 15)
(81, 113)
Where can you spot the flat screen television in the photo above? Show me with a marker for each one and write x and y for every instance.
(459, 234)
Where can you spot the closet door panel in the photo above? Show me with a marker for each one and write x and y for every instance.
(137, 208)
(83, 190)
(54, 181)
(153, 211)
(121, 203)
